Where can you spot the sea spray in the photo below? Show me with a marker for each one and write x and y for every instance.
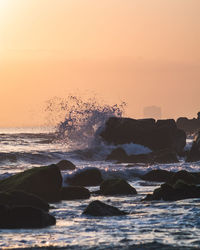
(80, 123)
(81, 119)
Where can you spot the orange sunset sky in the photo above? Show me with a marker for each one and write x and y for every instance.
(144, 52)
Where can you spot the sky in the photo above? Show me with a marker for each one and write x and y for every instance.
(143, 52)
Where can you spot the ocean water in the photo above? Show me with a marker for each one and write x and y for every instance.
(174, 223)
(76, 138)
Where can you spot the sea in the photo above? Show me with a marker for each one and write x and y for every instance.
(159, 223)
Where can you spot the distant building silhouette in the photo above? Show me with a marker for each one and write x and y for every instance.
(152, 112)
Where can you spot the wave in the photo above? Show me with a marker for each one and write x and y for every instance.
(31, 157)
(82, 119)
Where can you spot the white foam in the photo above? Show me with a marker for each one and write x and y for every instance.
(83, 119)
(135, 149)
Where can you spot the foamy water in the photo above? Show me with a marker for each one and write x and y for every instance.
(175, 223)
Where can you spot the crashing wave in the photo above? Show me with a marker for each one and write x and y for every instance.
(82, 119)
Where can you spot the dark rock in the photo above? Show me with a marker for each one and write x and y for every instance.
(116, 187)
(74, 193)
(190, 126)
(178, 191)
(86, 177)
(187, 177)
(157, 176)
(164, 156)
(148, 122)
(194, 153)
(169, 123)
(20, 198)
(141, 158)
(156, 137)
(118, 154)
(172, 177)
(45, 182)
(24, 217)
(98, 208)
(66, 165)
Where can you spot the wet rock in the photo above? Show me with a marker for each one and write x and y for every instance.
(187, 177)
(158, 176)
(45, 182)
(74, 193)
(178, 191)
(116, 187)
(164, 156)
(118, 154)
(156, 137)
(194, 153)
(20, 198)
(190, 126)
(98, 208)
(24, 217)
(66, 165)
(169, 123)
(86, 177)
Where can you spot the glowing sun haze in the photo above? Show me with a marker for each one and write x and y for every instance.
(140, 51)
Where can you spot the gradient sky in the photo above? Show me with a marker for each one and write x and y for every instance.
(144, 52)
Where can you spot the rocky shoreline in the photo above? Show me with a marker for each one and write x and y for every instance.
(25, 197)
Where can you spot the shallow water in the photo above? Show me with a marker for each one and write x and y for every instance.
(174, 223)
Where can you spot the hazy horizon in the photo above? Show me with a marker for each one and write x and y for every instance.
(142, 52)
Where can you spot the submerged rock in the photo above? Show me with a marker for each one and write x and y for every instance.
(74, 193)
(66, 165)
(20, 198)
(85, 177)
(186, 177)
(45, 182)
(116, 187)
(194, 153)
(24, 217)
(98, 208)
(158, 175)
(178, 191)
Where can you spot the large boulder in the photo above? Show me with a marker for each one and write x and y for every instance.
(98, 208)
(159, 136)
(85, 177)
(116, 187)
(178, 191)
(66, 165)
(158, 175)
(190, 126)
(74, 193)
(194, 153)
(168, 123)
(20, 198)
(24, 217)
(44, 182)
